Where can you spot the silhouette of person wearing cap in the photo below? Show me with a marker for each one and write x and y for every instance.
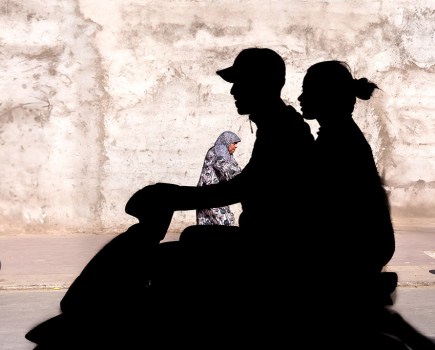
(282, 138)
(273, 203)
(254, 258)
(238, 274)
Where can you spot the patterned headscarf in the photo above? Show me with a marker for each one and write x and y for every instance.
(223, 142)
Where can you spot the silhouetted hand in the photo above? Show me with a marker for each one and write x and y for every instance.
(152, 201)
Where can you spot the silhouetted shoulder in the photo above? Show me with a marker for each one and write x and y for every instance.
(300, 127)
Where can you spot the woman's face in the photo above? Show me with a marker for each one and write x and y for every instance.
(232, 147)
(313, 100)
(325, 96)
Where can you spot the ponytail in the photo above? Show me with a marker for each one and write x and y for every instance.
(363, 88)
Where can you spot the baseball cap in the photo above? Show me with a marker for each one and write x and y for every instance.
(262, 63)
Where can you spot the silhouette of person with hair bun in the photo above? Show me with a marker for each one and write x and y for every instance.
(352, 199)
(352, 222)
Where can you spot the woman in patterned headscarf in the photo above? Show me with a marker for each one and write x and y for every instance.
(219, 165)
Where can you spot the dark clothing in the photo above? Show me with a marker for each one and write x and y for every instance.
(353, 205)
(353, 214)
(274, 183)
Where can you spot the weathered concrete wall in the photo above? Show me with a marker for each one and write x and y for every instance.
(99, 98)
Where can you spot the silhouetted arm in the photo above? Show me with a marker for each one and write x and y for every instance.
(172, 197)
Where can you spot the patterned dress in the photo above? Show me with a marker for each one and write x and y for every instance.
(218, 165)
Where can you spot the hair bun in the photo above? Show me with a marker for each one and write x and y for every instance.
(363, 88)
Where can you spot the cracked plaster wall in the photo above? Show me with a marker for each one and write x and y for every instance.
(100, 100)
